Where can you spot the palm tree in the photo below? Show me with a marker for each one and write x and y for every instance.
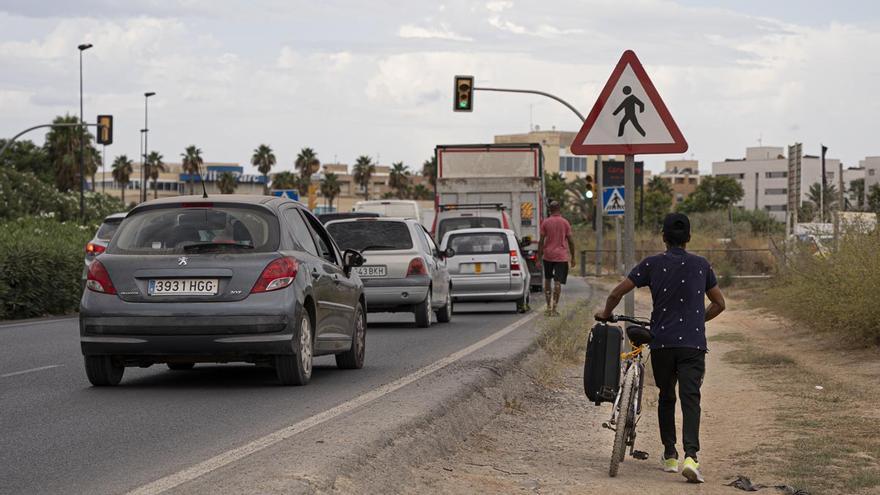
(122, 168)
(330, 187)
(192, 162)
(659, 184)
(227, 182)
(828, 199)
(62, 146)
(307, 162)
(363, 172)
(93, 160)
(420, 191)
(284, 180)
(429, 170)
(399, 180)
(156, 167)
(264, 160)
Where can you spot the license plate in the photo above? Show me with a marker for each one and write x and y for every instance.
(478, 268)
(183, 287)
(371, 271)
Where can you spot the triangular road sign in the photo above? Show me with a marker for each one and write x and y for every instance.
(629, 117)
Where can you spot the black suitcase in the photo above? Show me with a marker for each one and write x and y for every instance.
(602, 366)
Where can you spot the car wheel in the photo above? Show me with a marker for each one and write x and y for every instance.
(102, 371)
(296, 368)
(522, 306)
(444, 314)
(423, 312)
(180, 366)
(353, 359)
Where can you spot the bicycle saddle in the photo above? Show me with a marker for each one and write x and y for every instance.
(639, 335)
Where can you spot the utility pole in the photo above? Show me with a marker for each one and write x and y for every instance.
(600, 219)
(822, 188)
(147, 95)
(82, 139)
(629, 210)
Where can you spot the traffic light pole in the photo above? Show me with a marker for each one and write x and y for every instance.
(22, 133)
(534, 92)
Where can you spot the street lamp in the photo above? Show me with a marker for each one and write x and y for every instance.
(82, 138)
(146, 131)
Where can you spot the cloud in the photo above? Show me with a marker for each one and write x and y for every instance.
(498, 6)
(441, 32)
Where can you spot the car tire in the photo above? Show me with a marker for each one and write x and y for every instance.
(353, 359)
(180, 366)
(444, 314)
(423, 312)
(522, 306)
(296, 369)
(102, 371)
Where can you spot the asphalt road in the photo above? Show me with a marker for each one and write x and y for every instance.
(60, 435)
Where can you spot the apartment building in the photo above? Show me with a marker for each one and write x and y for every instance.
(683, 176)
(763, 173)
(556, 146)
(871, 166)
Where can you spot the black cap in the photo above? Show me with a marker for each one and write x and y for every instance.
(677, 222)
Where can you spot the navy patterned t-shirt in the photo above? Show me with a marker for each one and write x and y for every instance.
(678, 281)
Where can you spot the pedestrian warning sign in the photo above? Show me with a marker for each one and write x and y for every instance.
(629, 117)
(612, 200)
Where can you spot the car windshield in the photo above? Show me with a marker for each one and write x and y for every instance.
(108, 228)
(176, 230)
(376, 235)
(458, 223)
(479, 243)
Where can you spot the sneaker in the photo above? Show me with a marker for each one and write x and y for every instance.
(691, 470)
(670, 465)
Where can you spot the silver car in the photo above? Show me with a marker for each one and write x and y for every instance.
(403, 268)
(488, 266)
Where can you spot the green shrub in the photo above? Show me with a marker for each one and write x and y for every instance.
(41, 264)
(22, 194)
(837, 293)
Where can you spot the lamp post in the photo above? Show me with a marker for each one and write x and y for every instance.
(82, 139)
(146, 131)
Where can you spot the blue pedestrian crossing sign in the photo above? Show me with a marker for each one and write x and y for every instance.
(612, 200)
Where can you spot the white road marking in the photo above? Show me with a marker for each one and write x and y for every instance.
(174, 480)
(37, 322)
(22, 372)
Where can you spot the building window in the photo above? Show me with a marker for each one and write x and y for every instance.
(679, 180)
(871, 171)
(573, 164)
(775, 207)
(733, 176)
(775, 175)
(772, 191)
(679, 198)
(692, 180)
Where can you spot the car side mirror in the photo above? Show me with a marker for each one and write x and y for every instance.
(525, 241)
(448, 252)
(351, 258)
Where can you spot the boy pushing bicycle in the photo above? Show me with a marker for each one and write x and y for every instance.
(679, 282)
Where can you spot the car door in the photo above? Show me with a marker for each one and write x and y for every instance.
(439, 271)
(342, 297)
(322, 287)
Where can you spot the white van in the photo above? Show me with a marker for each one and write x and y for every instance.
(399, 208)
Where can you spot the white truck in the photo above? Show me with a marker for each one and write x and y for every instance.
(492, 185)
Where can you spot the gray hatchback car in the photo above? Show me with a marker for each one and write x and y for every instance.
(223, 279)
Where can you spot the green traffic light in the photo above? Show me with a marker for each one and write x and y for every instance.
(463, 104)
(589, 194)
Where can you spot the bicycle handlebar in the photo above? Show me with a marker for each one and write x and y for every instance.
(631, 319)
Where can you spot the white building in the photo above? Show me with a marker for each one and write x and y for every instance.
(763, 174)
(871, 164)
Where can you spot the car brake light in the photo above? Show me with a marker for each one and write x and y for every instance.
(196, 205)
(416, 267)
(532, 257)
(99, 280)
(277, 275)
(93, 248)
(514, 261)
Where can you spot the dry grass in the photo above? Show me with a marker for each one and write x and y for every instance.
(564, 338)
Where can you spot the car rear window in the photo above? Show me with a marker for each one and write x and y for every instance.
(479, 243)
(108, 228)
(177, 230)
(458, 223)
(375, 234)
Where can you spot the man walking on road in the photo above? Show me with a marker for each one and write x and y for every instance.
(554, 250)
(679, 283)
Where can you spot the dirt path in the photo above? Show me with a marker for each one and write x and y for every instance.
(551, 440)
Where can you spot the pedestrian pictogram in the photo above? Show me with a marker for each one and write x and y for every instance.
(613, 200)
(629, 117)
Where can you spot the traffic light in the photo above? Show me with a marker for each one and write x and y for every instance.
(105, 129)
(589, 192)
(463, 94)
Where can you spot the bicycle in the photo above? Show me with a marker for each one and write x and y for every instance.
(627, 407)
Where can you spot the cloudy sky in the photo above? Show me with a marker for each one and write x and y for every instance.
(374, 77)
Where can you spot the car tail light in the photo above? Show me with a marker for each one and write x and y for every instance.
(92, 248)
(416, 267)
(99, 280)
(277, 275)
(196, 205)
(505, 224)
(514, 261)
(532, 257)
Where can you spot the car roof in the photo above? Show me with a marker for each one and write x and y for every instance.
(375, 219)
(386, 202)
(479, 230)
(116, 216)
(250, 199)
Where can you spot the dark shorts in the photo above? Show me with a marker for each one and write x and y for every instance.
(556, 270)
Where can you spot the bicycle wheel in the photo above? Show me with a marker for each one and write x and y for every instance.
(625, 420)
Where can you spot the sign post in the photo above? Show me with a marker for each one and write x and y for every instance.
(629, 118)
